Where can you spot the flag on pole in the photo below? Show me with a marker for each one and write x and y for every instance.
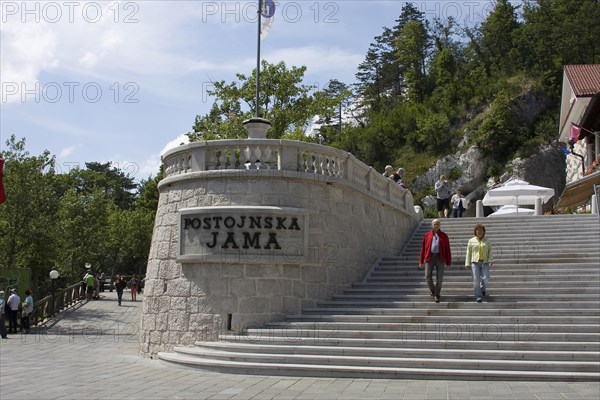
(2, 194)
(575, 132)
(267, 12)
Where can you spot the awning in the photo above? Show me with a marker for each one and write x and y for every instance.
(579, 192)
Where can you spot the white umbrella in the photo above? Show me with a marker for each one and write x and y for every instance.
(517, 192)
(510, 210)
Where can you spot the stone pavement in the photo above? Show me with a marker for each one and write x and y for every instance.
(91, 352)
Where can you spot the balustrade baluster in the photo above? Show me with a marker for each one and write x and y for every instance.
(212, 160)
(322, 161)
(268, 154)
(257, 153)
(247, 153)
(331, 166)
(220, 159)
(308, 161)
(228, 162)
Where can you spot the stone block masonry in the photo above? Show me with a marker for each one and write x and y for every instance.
(214, 264)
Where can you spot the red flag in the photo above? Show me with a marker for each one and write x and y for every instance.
(575, 131)
(2, 195)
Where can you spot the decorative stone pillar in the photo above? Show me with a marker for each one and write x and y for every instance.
(257, 127)
(479, 209)
(538, 206)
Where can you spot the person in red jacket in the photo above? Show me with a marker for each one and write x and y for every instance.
(435, 252)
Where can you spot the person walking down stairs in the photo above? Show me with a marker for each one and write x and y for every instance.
(479, 258)
(435, 252)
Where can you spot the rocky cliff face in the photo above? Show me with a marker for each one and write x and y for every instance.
(545, 168)
(467, 170)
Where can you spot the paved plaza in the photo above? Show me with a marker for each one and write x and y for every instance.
(91, 352)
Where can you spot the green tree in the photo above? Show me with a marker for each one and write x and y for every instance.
(28, 223)
(559, 32)
(413, 48)
(433, 134)
(498, 34)
(115, 183)
(334, 97)
(284, 100)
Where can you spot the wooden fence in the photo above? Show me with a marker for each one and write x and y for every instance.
(43, 308)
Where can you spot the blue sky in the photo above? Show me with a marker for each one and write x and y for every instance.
(121, 81)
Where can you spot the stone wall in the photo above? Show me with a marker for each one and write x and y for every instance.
(350, 227)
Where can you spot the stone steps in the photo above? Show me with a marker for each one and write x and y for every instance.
(367, 371)
(312, 320)
(540, 319)
(423, 352)
(389, 361)
(515, 342)
(395, 327)
(453, 310)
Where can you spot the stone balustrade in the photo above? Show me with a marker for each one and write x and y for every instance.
(283, 155)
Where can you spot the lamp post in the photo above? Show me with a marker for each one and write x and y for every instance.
(53, 275)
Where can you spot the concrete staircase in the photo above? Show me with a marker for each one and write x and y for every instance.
(540, 319)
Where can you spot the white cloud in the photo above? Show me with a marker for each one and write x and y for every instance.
(319, 59)
(151, 165)
(66, 152)
(181, 139)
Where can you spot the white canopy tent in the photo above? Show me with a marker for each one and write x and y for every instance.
(517, 192)
(510, 210)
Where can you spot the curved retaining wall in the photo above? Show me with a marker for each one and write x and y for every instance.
(234, 248)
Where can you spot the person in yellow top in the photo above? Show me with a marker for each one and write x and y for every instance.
(479, 258)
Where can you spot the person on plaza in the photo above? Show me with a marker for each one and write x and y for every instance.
(102, 281)
(479, 259)
(458, 206)
(133, 284)
(388, 171)
(14, 301)
(96, 295)
(89, 281)
(27, 311)
(443, 193)
(120, 285)
(435, 252)
(2, 307)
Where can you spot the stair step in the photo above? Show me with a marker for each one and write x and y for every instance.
(440, 319)
(434, 326)
(372, 372)
(442, 341)
(491, 311)
(589, 356)
(390, 362)
(466, 302)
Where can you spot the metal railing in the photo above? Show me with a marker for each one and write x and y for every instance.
(48, 306)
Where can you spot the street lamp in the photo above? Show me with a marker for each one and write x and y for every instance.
(53, 275)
